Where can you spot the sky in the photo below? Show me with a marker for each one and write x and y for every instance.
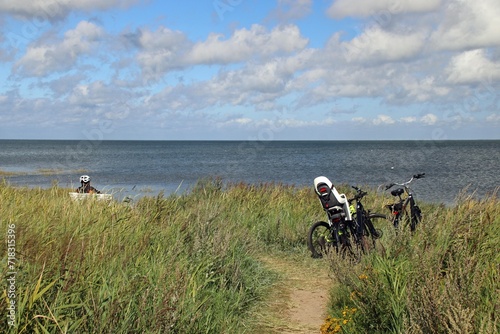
(250, 70)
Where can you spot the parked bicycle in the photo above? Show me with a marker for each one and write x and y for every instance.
(363, 220)
(405, 210)
(348, 226)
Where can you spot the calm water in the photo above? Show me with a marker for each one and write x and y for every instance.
(135, 168)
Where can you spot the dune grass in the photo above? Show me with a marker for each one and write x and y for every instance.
(178, 264)
(444, 278)
(189, 263)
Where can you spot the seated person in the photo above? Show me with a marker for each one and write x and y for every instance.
(86, 187)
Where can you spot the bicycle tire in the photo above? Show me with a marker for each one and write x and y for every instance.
(376, 217)
(346, 249)
(416, 216)
(317, 239)
(372, 215)
(403, 219)
(361, 245)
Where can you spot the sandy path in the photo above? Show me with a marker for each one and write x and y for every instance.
(298, 301)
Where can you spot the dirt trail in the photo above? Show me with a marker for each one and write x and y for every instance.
(298, 301)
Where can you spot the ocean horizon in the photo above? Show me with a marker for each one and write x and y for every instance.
(148, 167)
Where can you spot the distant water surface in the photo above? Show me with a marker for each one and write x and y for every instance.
(135, 168)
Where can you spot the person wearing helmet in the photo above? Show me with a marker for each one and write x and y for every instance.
(86, 187)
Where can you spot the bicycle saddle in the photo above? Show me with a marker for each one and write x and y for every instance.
(397, 192)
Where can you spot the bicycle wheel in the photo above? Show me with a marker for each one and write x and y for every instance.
(407, 216)
(319, 239)
(403, 218)
(356, 244)
(349, 252)
(375, 217)
(416, 216)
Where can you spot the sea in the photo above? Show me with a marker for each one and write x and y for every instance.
(148, 168)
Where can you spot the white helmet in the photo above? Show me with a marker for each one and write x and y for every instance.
(84, 178)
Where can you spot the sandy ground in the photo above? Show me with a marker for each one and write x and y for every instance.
(298, 301)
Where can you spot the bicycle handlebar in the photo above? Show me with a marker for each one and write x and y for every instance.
(359, 194)
(389, 186)
(404, 184)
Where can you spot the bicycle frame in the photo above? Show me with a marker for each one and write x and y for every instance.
(360, 213)
(341, 225)
(363, 223)
(398, 209)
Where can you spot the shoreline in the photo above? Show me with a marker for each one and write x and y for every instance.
(133, 193)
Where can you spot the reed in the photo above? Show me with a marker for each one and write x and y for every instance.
(445, 278)
(166, 264)
(188, 263)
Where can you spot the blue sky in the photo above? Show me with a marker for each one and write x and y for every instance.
(250, 70)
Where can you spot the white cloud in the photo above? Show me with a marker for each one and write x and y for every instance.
(278, 124)
(423, 90)
(42, 59)
(468, 24)
(429, 119)
(294, 123)
(237, 121)
(98, 99)
(259, 85)
(364, 8)
(164, 50)
(409, 119)
(493, 119)
(359, 120)
(383, 120)
(260, 68)
(91, 94)
(246, 44)
(161, 39)
(50, 10)
(378, 45)
(472, 67)
(160, 51)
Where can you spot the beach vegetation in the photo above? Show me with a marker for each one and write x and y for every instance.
(189, 263)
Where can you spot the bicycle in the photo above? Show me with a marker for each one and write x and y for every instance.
(399, 209)
(363, 220)
(345, 223)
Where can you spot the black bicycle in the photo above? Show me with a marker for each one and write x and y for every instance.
(405, 210)
(345, 232)
(363, 220)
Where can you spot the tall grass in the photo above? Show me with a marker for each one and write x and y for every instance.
(445, 278)
(176, 264)
(188, 263)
